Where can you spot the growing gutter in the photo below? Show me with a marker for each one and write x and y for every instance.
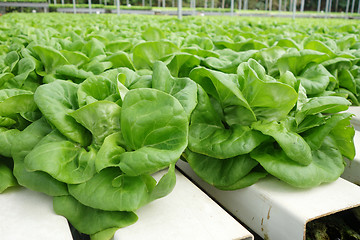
(355, 121)
(277, 211)
(186, 213)
(29, 215)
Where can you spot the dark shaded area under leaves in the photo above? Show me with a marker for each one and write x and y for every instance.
(77, 235)
(340, 226)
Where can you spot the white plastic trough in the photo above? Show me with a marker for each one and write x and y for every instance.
(186, 213)
(355, 121)
(352, 170)
(277, 211)
(29, 215)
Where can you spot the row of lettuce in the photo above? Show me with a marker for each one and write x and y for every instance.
(91, 107)
(112, 6)
(145, 8)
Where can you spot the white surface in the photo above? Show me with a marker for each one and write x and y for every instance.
(352, 170)
(29, 215)
(355, 121)
(277, 211)
(185, 214)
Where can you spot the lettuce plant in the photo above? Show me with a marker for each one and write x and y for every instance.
(249, 119)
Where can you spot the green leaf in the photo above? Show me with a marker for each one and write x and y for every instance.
(347, 80)
(201, 53)
(220, 172)
(337, 64)
(37, 181)
(181, 64)
(75, 58)
(208, 135)
(93, 48)
(197, 41)
(311, 121)
(291, 143)
(16, 101)
(315, 79)
(144, 81)
(11, 59)
(295, 61)
(155, 126)
(268, 57)
(31, 116)
(97, 88)
(112, 74)
(120, 45)
(7, 178)
(327, 165)
(248, 44)
(120, 59)
(315, 136)
(63, 160)
(4, 78)
(108, 154)
(346, 42)
(50, 58)
(183, 89)
(229, 60)
(224, 88)
(145, 54)
(104, 234)
(76, 45)
(325, 104)
(165, 185)
(131, 193)
(6, 122)
(56, 100)
(152, 34)
(287, 43)
(349, 95)
(121, 88)
(302, 97)
(97, 67)
(320, 47)
(25, 67)
(269, 100)
(89, 220)
(133, 79)
(101, 118)
(7, 140)
(343, 134)
(71, 72)
(289, 79)
(246, 181)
